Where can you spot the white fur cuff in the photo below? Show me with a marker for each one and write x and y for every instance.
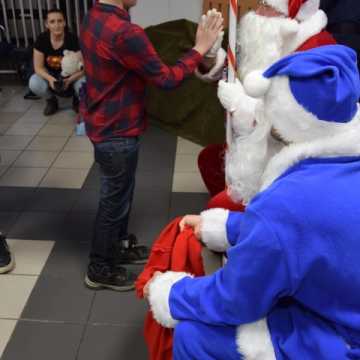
(159, 292)
(215, 72)
(254, 341)
(213, 229)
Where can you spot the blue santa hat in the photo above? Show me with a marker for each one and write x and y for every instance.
(324, 80)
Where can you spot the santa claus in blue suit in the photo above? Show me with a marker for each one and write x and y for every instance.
(290, 288)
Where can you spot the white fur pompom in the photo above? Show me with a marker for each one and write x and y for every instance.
(256, 85)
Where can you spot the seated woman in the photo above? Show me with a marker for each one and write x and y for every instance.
(48, 53)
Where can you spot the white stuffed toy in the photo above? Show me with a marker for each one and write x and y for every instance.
(71, 63)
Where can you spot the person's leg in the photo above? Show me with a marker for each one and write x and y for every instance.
(195, 340)
(211, 165)
(118, 162)
(40, 87)
(77, 86)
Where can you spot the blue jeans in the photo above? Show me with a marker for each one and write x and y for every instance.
(118, 159)
(40, 86)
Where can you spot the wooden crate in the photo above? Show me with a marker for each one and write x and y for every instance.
(223, 7)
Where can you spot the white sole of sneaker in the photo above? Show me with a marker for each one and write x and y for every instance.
(97, 286)
(11, 266)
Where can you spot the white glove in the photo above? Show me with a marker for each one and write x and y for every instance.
(215, 48)
(243, 118)
(241, 106)
(230, 94)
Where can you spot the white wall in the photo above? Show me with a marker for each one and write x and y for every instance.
(152, 12)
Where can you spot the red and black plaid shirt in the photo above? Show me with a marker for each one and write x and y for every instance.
(119, 61)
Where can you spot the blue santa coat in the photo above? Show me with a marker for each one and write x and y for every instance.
(298, 240)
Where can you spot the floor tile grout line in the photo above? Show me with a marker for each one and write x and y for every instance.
(22, 275)
(82, 338)
(65, 322)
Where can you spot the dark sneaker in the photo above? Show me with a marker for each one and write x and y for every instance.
(7, 262)
(128, 251)
(51, 107)
(31, 96)
(75, 104)
(105, 277)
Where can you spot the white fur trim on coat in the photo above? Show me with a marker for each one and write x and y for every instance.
(254, 341)
(215, 72)
(213, 229)
(159, 292)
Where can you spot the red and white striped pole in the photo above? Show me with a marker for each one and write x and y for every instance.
(231, 54)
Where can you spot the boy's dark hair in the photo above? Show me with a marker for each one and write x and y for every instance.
(55, 11)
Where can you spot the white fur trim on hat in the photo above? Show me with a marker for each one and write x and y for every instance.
(289, 28)
(254, 341)
(159, 292)
(307, 29)
(213, 229)
(308, 9)
(279, 5)
(256, 85)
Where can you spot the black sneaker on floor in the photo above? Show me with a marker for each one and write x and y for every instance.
(31, 96)
(51, 107)
(105, 277)
(7, 262)
(75, 104)
(127, 251)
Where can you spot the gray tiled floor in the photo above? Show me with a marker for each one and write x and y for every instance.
(44, 340)
(117, 342)
(62, 319)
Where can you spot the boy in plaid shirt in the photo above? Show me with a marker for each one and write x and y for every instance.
(119, 62)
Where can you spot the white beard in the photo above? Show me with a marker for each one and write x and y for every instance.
(247, 158)
(260, 42)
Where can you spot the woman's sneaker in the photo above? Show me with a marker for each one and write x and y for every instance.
(52, 106)
(106, 277)
(7, 262)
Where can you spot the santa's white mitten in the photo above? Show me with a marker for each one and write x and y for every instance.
(230, 94)
(241, 106)
(243, 118)
(212, 53)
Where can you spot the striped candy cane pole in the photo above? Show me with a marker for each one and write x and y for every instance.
(233, 16)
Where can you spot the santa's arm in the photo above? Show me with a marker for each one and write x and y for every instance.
(241, 292)
(220, 228)
(211, 69)
(212, 65)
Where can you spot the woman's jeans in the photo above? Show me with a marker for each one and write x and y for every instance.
(118, 159)
(40, 86)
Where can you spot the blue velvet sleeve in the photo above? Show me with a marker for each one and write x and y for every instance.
(233, 225)
(245, 289)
